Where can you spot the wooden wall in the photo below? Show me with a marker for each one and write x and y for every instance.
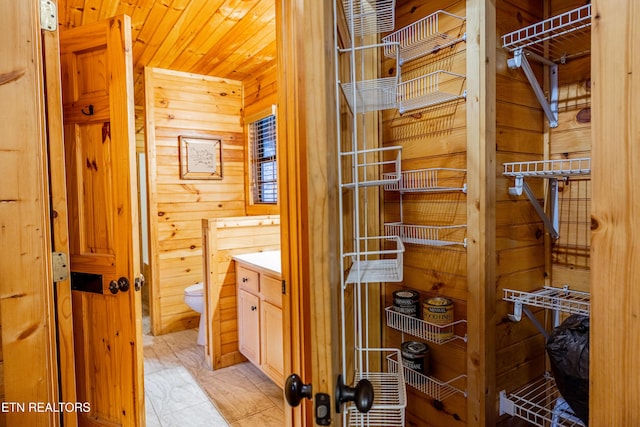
(520, 241)
(260, 91)
(433, 137)
(222, 239)
(570, 254)
(198, 106)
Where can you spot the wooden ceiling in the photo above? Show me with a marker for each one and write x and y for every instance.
(230, 39)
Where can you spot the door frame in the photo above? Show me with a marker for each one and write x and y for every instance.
(26, 291)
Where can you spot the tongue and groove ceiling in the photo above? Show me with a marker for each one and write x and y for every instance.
(230, 39)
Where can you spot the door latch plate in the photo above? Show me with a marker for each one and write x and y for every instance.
(60, 266)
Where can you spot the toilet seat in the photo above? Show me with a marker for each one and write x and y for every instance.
(195, 290)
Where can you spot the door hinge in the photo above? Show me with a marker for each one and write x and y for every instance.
(60, 266)
(284, 287)
(48, 15)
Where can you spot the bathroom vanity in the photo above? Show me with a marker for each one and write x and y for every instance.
(259, 291)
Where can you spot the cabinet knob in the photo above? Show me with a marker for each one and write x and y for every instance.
(254, 308)
(245, 280)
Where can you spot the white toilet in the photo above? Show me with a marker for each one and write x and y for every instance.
(194, 298)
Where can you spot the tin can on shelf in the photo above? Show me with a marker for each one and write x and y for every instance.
(407, 301)
(439, 311)
(415, 356)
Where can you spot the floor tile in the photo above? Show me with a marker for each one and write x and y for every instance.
(200, 415)
(272, 417)
(173, 389)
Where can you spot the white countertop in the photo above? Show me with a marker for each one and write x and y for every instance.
(267, 260)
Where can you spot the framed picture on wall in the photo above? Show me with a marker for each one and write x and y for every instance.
(200, 158)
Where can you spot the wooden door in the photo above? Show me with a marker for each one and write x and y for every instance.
(249, 325)
(97, 96)
(307, 180)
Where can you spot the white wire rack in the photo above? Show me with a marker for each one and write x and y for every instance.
(430, 90)
(369, 16)
(430, 386)
(569, 31)
(370, 94)
(448, 235)
(424, 37)
(389, 395)
(438, 334)
(540, 403)
(562, 299)
(549, 168)
(369, 266)
(431, 180)
(369, 164)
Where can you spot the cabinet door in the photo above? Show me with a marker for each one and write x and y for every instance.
(249, 326)
(272, 348)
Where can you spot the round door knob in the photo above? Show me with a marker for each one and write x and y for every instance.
(295, 390)
(113, 287)
(123, 284)
(361, 394)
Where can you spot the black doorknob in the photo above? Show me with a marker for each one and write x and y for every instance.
(113, 287)
(295, 390)
(361, 394)
(123, 284)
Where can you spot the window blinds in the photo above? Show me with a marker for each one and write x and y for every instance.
(265, 172)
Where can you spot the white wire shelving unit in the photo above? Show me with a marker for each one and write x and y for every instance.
(551, 170)
(389, 391)
(428, 235)
(361, 164)
(424, 36)
(439, 390)
(559, 299)
(367, 165)
(366, 17)
(432, 180)
(376, 265)
(437, 334)
(430, 90)
(539, 403)
(551, 42)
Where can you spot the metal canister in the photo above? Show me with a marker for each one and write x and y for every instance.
(439, 311)
(407, 301)
(415, 356)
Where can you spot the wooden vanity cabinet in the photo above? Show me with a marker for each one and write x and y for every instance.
(260, 319)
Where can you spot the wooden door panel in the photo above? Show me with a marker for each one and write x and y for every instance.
(97, 82)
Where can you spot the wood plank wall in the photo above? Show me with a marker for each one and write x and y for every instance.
(520, 261)
(260, 91)
(432, 137)
(570, 254)
(222, 239)
(198, 106)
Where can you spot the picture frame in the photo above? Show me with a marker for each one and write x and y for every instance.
(200, 158)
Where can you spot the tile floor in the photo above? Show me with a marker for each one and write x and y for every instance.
(181, 391)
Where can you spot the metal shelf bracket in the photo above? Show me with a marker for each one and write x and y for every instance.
(506, 405)
(550, 106)
(551, 222)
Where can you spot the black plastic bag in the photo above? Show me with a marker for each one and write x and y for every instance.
(568, 350)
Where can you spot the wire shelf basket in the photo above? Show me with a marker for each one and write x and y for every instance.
(369, 167)
(371, 95)
(390, 396)
(569, 31)
(432, 180)
(430, 386)
(562, 299)
(549, 168)
(449, 235)
(423, 37)
(437, 334)
(430, 90)
(369, 266)
(540, 403)
(366, 17)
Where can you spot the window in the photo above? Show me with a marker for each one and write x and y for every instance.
(263, 164)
